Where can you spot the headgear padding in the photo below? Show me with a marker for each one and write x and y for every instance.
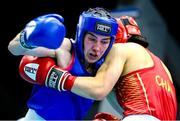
(90, 21)
(127, 27)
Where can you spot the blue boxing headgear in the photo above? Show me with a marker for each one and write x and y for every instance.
(100, 23)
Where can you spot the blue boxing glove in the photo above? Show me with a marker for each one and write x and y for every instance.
(45, 31)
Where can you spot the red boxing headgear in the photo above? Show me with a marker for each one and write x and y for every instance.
(127, 27)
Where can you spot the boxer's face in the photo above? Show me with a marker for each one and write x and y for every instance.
(95, 46)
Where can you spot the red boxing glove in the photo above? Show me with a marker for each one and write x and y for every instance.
(43, 71)
(103, 116)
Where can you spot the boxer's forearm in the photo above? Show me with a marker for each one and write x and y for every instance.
(41, 52)
(14, 46)
(89, 87)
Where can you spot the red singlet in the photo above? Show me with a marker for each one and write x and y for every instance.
(148, 91)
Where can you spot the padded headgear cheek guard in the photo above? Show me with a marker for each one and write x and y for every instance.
(127, 26)
(99, 25)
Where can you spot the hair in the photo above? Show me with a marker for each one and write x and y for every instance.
(99, 11)
(139, 39)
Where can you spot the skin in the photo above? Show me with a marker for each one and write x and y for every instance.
(94, 47)
(16, 49)
(121, 60)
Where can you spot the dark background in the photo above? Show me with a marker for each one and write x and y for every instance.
(15, 14)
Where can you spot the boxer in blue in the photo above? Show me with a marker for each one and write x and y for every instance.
(96, 32)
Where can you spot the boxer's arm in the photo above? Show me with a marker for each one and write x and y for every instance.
(39, 37)
(16, 49)
(64, 54)
(14, 46)
(90, 87)
(99, 86)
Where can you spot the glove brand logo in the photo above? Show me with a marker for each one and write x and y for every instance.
(53, 78)
(22, 39)
(103, 28)
(31, 70)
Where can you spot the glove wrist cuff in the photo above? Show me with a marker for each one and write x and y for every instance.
(23, 40)
(59, 79)
(69, 82)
